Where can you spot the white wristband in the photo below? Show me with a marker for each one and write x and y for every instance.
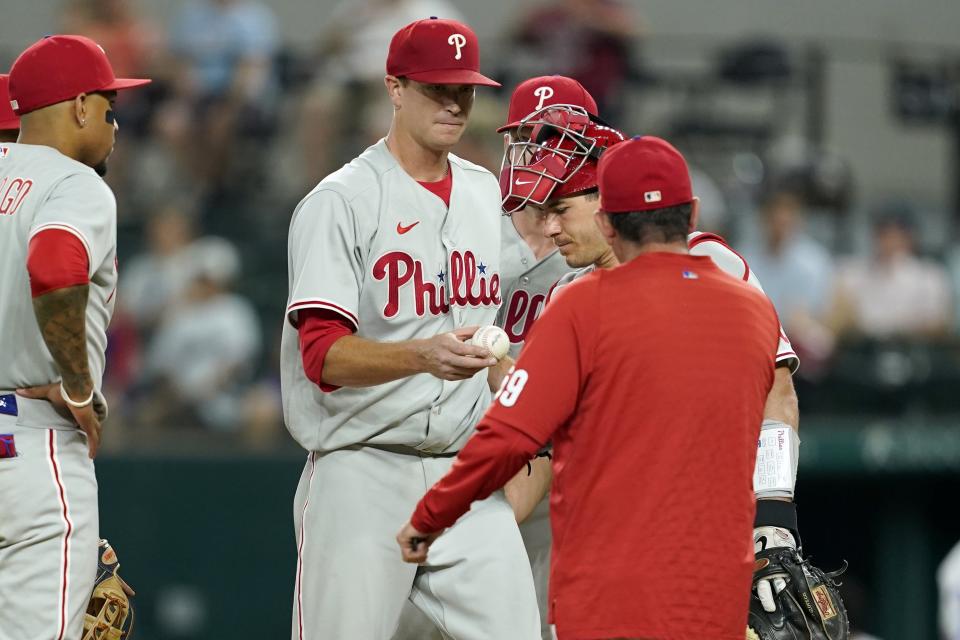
(778, 452)
(73, 403)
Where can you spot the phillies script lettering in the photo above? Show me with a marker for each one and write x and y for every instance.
(523, 310)
(468, 284)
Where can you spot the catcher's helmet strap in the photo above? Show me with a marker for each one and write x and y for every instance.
(597, 151)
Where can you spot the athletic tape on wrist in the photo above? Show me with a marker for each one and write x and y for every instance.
(777, 513)
(778, 452)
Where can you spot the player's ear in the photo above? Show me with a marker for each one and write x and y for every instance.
(694, 214)
(603, 221)
(80, 109)
(393, 85)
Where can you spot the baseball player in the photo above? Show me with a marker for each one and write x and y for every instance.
(9, 122)
(530, 265)
(57, 282)
(571, 200)
(639, 344)
(393, 262)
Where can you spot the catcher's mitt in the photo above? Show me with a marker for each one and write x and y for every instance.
(808, 608)
(109, 614)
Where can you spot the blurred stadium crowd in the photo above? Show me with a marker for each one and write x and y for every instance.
(238, 126)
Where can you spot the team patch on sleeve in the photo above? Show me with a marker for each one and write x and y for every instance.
(8, 404)
(8, 449)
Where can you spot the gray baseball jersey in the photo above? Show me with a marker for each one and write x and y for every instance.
(525, 283)
(715, 248)
(40, 188)
(372, 245)
(48, 488)
(375, 247)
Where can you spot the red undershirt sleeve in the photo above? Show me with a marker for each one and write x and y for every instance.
(318, 330)
(56, 259)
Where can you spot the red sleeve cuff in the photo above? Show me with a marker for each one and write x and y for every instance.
(490, 458)
(318, 330)
(56, 259)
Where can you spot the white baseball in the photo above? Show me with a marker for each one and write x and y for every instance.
(493, 339)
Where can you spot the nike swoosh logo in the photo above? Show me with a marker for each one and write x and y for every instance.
(518, 181)
(402, 229)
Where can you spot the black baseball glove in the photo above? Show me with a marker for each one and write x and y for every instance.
(807, 602)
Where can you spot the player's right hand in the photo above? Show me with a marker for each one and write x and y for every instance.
(86, 417)
(448, 357)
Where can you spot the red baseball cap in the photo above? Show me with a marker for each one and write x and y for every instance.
(8, 119)
(536, 93)
(641, 174)
(437, 51)
(59, 68)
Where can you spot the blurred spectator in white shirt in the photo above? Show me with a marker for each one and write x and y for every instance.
(894, 292)
(204, 352)
(155, 280)
(796, 272)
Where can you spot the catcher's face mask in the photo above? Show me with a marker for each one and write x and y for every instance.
(547, 150)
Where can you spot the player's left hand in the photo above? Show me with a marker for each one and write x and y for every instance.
(414, 544)
(88, 418)
(768, 538)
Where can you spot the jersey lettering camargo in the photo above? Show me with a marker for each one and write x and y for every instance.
(40, 188)
(525, 283)
(377, 248)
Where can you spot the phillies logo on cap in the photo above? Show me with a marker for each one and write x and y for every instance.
(421, 51)
(459, 41)
(544, 93)
(536, 93)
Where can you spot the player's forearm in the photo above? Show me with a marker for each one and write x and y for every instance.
(358, 362)
(527, 488)
(782, 404)
(490, 458)
(61, 316)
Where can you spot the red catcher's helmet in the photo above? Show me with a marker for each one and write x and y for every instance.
(553, 154)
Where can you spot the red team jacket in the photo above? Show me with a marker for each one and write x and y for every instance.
(651, 380)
